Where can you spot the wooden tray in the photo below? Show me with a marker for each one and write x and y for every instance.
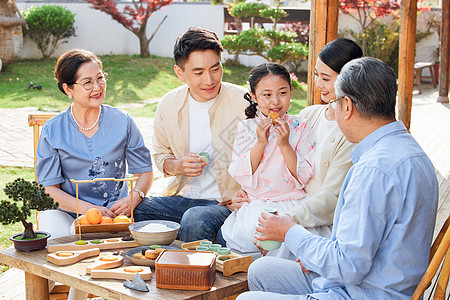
(89, 228)
(102, 264)
(120, 273)
(234, 262)
(76, 256)
(112, 227)
(105, 245)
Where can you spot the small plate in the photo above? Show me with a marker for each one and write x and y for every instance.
(144, 262)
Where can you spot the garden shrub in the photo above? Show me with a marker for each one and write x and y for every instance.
(274, 45)
(49, 26)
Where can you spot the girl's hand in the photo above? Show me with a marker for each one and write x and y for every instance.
(262, 131)
(282, 131)
(238, 200)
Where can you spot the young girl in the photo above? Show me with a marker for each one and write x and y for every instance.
(272, 157)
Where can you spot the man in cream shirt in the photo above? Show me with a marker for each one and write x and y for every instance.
(200, 116)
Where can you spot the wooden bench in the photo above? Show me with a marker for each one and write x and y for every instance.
(418, 68)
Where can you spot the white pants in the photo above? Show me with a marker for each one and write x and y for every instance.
(59, 224)
(56, 222)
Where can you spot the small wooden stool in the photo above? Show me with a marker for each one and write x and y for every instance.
(418, 67)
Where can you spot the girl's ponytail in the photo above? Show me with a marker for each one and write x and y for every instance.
(251, 110)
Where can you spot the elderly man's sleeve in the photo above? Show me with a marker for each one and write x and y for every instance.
(359, 232)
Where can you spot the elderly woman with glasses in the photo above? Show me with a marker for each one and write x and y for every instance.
(89, 140)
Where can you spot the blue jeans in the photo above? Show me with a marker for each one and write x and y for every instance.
(277, 278)
(199, 219)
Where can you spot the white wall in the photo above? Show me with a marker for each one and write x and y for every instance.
(98, 32)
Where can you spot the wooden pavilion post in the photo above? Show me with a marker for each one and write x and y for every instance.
(444, 67)
(406, 60)
(323, 29)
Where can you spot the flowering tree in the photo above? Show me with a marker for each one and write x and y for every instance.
(366, 12)
(134, 17)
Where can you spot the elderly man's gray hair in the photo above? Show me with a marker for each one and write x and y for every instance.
(371, 84)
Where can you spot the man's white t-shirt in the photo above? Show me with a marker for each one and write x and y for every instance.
(200, 140)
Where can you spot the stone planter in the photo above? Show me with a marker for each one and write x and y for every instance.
(30, 245)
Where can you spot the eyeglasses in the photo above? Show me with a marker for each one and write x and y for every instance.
(333, 102)
(89, 84)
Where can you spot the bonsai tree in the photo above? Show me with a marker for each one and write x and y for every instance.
(32, 195)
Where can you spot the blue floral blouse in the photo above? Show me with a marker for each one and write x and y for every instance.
(64, 153)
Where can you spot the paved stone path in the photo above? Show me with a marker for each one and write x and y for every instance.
(16, 137)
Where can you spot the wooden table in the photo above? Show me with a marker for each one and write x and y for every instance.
(38, 271)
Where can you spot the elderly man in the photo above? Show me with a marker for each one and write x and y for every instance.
(385, 216)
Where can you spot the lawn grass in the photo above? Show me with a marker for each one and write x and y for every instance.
(131, 79)
(8, 174)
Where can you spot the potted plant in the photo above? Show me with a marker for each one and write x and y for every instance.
(33, 196)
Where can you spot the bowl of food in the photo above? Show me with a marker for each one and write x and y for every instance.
(153, 232)
(146, 255)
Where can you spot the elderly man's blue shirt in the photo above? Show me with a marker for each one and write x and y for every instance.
(383, 224)
(64, 153)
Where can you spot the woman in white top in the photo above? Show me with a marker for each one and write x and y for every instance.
(332, 159)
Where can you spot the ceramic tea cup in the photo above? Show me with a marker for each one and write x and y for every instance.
(204, 155)
(270, 245)
(214, 247)
(202, 248)
(205, 243)
(223, 251)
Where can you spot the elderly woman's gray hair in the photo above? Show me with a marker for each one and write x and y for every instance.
(371, 85)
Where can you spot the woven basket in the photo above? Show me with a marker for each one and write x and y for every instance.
(8, 23)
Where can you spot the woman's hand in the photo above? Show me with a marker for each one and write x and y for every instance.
(123, 206)
(258, 245)
(106, 212)
(303, 268)
(262, 131)
(240, 197)
(143, 183)
(282, 131)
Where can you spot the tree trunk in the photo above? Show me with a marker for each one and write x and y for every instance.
(238, 23)
(143, 42)
(28, 232)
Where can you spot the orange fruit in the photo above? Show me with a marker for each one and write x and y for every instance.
(84, 220)
(122, 219)
(106, 220)
(94, 216)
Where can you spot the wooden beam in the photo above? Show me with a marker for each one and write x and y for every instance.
(444, 67)
(406, 60)
(323, 29)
